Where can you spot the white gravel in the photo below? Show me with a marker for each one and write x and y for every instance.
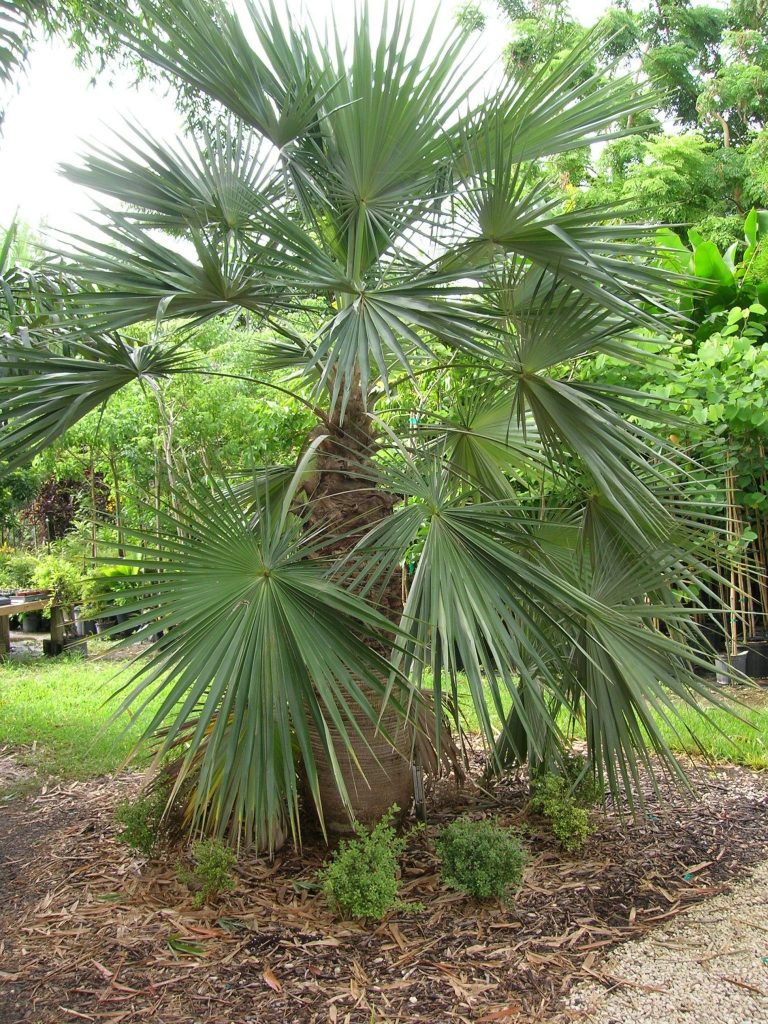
(708, 966)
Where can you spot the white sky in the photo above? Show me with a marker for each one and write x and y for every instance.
(57, 111)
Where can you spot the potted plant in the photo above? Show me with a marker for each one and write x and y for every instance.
(59, 578)
(103, 592)
(757, 650)
(17, 574)
(31, 622)
(84, 626)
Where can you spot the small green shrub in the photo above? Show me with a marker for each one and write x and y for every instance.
(566, 809)
(63, 579)
(17, 570)
(361, 879)
(481, 858)
(211, 874)
(583, 785)
(141, 821)
(571, 826)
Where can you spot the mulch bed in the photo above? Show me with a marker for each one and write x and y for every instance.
(93, 933)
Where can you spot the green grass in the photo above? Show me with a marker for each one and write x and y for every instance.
(723, 737)
(718, 735)
(54, 711)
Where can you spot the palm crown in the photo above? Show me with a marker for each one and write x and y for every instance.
(384, 222)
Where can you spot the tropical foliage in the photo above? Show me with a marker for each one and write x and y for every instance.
(699, 155)
(717, 384)
(426, 293)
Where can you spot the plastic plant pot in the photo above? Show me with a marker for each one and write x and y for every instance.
(31, 623)
(724, 667)
(83, 627)
(757, 662)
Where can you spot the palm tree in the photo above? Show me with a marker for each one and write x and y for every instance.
(390, 228)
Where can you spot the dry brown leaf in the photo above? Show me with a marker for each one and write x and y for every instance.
(269, 977)
(502, 1014)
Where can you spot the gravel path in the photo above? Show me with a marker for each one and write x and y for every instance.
(709, 966)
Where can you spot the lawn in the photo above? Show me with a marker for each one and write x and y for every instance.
(721, 736)
(56, 714)
(724, 738)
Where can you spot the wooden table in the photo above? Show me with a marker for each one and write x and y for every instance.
(33, 605)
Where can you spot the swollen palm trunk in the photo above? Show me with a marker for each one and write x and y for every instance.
(376, 771)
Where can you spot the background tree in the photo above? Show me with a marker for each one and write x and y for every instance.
(701, 157)
(95, 40)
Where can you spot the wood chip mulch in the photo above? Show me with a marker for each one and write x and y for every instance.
(91, 932)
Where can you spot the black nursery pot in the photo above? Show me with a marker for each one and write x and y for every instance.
(757, 659)
(121, 618)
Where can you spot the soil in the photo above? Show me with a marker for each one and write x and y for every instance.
(11, 772)
(91, 931)
(20, 833)
(27, 647)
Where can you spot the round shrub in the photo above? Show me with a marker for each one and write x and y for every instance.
(571, 826)
(481, 858)
(361, 879)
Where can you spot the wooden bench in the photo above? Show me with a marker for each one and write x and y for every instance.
(35, 605)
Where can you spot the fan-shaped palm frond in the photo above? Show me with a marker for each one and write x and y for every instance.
(551, 323)
(481, 588)
(548, 617)
(485, 444)
(278, 91)
(141, 277)
(258, 646)
(554, 108)
(635, 677)
(43, 392)
(509, 212)
(219, 181)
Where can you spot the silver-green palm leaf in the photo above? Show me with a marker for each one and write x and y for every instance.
(259, 651)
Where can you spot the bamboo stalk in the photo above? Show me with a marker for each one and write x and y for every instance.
(762, 565)
(92, 482)
(762, 539)
(118, 508)
(732, 568)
